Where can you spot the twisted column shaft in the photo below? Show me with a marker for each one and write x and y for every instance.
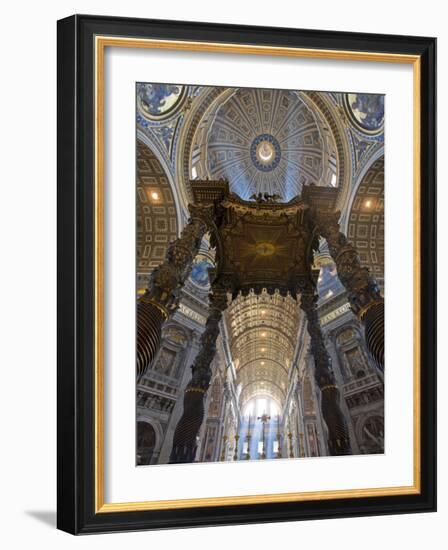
(338, 435)
(160, 299)
(184, 441)
(363, 292)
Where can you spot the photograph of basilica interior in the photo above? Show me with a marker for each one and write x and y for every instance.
(260, 274)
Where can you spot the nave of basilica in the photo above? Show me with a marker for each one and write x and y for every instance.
(260, 274)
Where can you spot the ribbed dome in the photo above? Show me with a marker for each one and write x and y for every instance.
(264, 141)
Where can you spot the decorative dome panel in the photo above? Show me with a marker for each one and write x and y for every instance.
(264, 141)
(158, 101)
(366, 111)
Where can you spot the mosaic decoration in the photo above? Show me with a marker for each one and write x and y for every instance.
(158, 101)
(165, 133)
(361, 148)
(366, 111)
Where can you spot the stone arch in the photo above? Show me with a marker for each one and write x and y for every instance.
(365, 222)
(373, 156)
(156, 213)
(146, 442)
(160, 155)
(332, 116)
(370, 432)
(186, 137)
(145, 419)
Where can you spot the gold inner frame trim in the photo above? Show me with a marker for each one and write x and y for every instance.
(101, 42)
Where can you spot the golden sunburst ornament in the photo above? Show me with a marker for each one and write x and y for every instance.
(265, 249)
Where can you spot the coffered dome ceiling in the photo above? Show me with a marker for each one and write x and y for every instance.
(262, 141)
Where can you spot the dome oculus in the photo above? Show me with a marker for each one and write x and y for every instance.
(265, 152)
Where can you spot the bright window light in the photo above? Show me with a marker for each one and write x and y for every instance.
(261, 406)
(258, 406)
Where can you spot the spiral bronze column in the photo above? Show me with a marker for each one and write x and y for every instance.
(363, 291)
(184, 441)
(338, 435)
(161, 297)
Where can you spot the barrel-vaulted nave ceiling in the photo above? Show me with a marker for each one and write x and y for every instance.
(260, 141)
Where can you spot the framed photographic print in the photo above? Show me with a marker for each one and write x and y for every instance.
(246, 274)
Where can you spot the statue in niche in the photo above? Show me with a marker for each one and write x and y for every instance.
(356, 362)
(165, 362)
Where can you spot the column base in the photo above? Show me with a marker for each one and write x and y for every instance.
(184, 440)
(338, 437)
(183, 454)
(150, 318)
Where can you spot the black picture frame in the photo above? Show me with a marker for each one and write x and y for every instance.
(76, 255)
